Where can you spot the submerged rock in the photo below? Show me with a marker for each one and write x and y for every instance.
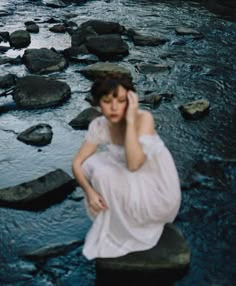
(38, 135)
(102, 68)
(187, 31)
(54, 3)
(195, 109)
(43, 60)
(20, 39)
(84, 118)
(39, 92)
(38, 193)
(152, 68)
(171, 254)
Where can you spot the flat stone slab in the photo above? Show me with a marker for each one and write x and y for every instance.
(171, 252)
(160, 266)
(39, 193)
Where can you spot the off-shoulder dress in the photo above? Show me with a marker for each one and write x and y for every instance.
(140, 203)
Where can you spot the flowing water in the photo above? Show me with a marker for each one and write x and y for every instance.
(204, 150)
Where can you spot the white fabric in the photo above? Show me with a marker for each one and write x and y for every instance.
(140, 203)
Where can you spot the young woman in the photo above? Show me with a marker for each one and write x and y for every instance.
(132, 188)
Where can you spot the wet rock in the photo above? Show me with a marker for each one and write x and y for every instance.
(102, 68)
(39, 193)
(84, 118)
(38, 92)
(12, 61)
(195, 109)
(152, 68)
(32, 27)
(20, 39)
(80, 35)
(5, 36)
(170, 256)
(146, 40)
(54, 3)
(107, 46)
(103, 27)
(4, 49)
(38, 135)
(153, 99)
(187, 31)
(7, 81)
(59, 28)
(72, 52)
(43, 60)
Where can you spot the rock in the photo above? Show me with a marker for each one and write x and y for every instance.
(107, 46)
(32, 27)
(170, 256)
(153, 99)
(80, 35)
(38, 135)
(72, 52)
(5, 36)
(12, 61)
(103, 27)
(4, 49)
(20, 39)
(38, 193)
(187, 31)
(43, 60)
(7, 81)
(100, 69)
(59, 28)
(84, 118)
(195, 109)
(52, 249)
(152, 68)
(54, 3)
(146, 40)
(38, 92)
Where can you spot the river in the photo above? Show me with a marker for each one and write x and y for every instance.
(204, 149)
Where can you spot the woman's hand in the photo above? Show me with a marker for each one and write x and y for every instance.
(96, 202)
(132, 107)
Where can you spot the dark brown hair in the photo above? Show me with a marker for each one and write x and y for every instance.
(109, 83)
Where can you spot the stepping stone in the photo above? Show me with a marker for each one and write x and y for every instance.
(163, 264)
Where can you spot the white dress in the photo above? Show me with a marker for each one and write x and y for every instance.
(140, 203)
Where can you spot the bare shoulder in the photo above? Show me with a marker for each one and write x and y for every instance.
(145, 122)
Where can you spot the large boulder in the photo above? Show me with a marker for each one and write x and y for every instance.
(103, 27)
(39, 92)
(159, 265)
(38, 193)
(20, 39)
(108, 46)
(102, 68)
(43, 60)
(38, 135)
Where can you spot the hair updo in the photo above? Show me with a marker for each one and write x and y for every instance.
(109, 83)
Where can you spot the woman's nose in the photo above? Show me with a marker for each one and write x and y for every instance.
(113, 105)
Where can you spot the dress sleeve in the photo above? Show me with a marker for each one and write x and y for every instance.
(151, 144)
(96, 132)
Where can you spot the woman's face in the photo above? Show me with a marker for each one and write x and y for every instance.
(114, 108)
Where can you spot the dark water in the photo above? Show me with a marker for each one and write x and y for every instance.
(204, 150)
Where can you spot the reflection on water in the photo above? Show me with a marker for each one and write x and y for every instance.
(203, 150)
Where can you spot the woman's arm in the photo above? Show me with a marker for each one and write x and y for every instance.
(95, 200)
(137, 124)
